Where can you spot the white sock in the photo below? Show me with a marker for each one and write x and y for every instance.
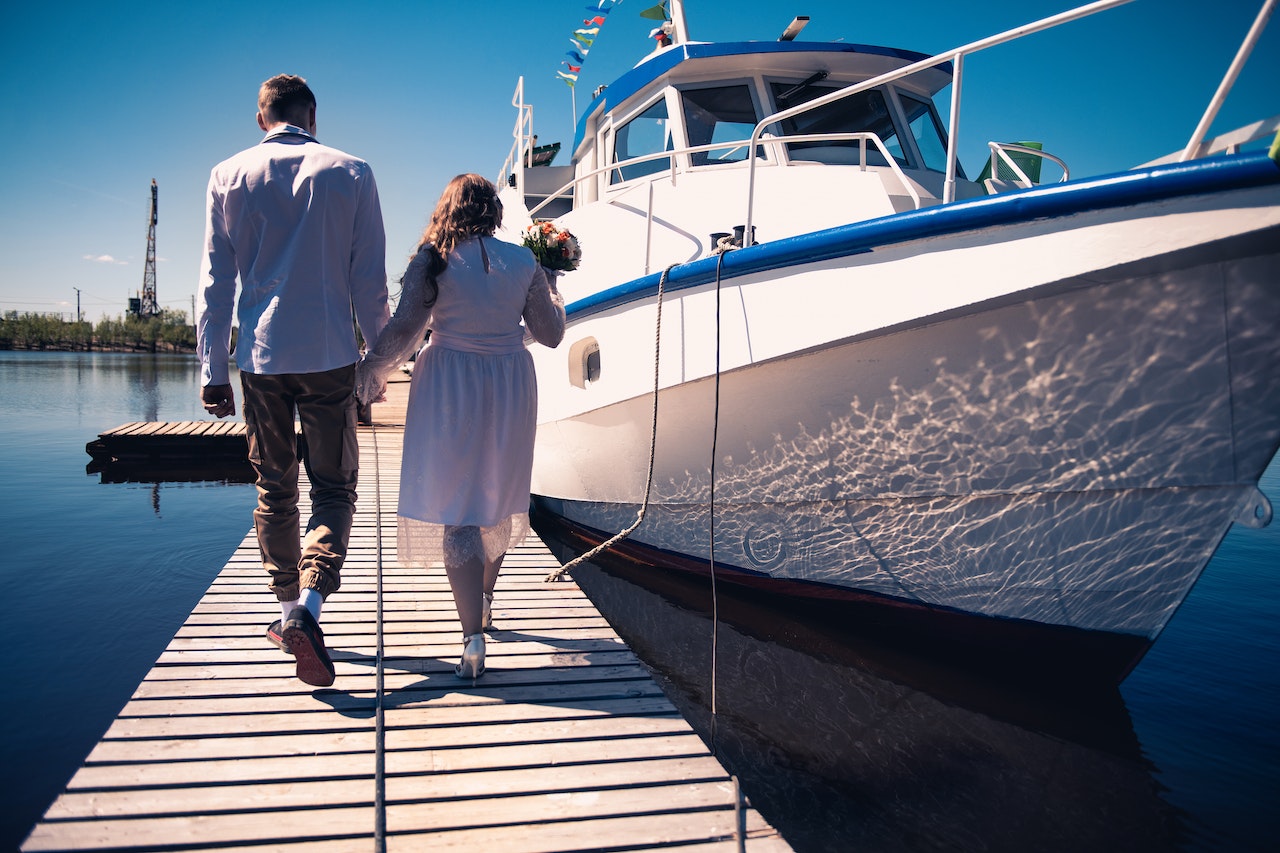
(311, 600)
(286, 607)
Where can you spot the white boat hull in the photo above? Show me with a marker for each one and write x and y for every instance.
(1050, 422)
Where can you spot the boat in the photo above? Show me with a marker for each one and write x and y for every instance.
(806, 353)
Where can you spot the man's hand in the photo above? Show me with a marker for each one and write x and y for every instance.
(219, 400)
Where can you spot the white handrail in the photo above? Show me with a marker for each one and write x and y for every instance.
(999, 151)
(1255, 33)
(523, 138)
(1227, 143)
(863, 137)
(907, 70)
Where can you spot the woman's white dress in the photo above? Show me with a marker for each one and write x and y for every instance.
(473, 399)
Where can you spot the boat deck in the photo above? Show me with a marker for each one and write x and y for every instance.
(566, 743)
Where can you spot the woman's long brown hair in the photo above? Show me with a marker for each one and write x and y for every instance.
(468, 207)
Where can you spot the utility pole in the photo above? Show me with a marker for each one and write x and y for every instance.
(77, 290)
(148, 307)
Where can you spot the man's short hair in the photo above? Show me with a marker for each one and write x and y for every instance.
(286, 97)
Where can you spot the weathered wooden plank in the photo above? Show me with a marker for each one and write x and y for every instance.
(349, 782)
(425, 715)
(675, 805)
(256, 744)
(352, 824)
(400, 763)
(573, 636)
(223, 813)
(152, 689)
(122, 429)
(509, 695)
(356, 648)
(278, 668)
(712, 834)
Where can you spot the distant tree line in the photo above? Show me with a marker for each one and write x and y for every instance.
(167, 331)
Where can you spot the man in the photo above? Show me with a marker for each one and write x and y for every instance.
(300, 224)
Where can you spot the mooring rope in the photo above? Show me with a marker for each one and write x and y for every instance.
(380, 754)
(721, 250)
(715, 437)
(557, 574)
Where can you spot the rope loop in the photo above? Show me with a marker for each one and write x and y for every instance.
(559, 573)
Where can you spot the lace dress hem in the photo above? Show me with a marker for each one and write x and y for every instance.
(421, 543)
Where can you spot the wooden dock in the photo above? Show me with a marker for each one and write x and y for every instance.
(566, 743)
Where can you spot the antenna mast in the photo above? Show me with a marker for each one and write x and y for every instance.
(148, 306)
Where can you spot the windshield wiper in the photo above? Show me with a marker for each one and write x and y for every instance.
(801, 86)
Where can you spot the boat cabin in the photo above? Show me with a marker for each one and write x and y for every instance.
(690, 109)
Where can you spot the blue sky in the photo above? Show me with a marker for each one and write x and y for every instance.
(99, 98)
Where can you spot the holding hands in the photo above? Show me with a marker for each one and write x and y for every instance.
(371, 384)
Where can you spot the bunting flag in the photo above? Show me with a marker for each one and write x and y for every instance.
(582, 39)
(657, 13)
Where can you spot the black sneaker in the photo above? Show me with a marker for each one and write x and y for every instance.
(275, 637)
(304, 639)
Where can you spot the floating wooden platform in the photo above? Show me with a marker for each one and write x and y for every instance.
(172, 450)
(566, 743)
(168, 451)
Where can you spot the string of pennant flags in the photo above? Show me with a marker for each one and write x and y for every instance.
(585, 36)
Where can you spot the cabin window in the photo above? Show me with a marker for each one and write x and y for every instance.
(719, 114)
(926, 129)
(865, 112)
(647, 133)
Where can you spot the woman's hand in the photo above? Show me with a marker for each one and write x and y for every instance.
(370, 387)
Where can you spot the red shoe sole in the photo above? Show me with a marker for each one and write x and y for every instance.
(314, 665)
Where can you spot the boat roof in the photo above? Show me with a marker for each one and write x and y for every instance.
(659, 64)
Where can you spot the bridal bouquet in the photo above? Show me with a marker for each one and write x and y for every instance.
(553, 246)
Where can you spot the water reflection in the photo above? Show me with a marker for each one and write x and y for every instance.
(846, 746)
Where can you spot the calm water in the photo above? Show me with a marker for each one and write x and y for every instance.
(97, 577)
(841, 746)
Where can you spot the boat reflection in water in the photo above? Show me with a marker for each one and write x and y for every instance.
(844, 744)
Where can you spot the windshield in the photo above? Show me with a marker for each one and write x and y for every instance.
(647, 133)
(926, 129)
(865, 112)
(719, 114)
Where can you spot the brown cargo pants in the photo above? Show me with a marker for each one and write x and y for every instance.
(325, 405)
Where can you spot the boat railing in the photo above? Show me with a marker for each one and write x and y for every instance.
(1194, 144)
(955, 57)
(569, 188)
(1001, 152)
(522, 146)
(1227, 143)
(864, 139)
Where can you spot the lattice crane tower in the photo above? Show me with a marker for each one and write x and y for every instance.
(149, 308)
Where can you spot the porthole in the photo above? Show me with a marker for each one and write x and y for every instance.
(584, 362)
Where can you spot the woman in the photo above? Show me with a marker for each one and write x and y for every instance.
(473, 400)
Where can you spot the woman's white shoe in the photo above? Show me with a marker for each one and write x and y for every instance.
(472, 663)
